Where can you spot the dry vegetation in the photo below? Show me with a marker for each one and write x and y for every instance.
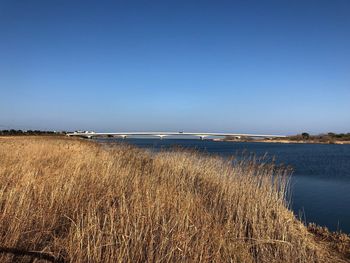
(75, 201)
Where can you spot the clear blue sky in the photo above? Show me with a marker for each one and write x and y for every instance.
(239, 66)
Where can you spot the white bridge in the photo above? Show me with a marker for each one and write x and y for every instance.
(161, 135)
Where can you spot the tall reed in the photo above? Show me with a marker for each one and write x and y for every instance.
(81, 202)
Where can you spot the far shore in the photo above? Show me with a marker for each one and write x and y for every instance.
(283, 141)
(306, 138)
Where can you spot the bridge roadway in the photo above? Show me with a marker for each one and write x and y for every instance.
(161, 135)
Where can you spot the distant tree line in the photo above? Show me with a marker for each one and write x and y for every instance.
(13, 132)
(238, 138)
(328, 137)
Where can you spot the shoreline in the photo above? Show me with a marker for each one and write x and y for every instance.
(285, 141)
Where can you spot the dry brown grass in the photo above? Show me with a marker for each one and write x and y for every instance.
(80, 202)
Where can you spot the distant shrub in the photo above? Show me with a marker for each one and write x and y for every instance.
(305, 135)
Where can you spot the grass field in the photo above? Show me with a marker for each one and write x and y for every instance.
(70, 200)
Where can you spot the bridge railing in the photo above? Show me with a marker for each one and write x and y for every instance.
(161, 135)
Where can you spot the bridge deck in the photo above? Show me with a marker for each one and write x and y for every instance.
(165, 134)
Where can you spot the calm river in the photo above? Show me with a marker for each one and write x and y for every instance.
(320, 182)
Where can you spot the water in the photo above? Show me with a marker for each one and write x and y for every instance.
(320, 182)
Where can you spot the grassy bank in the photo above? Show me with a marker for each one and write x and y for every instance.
(75, 201)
